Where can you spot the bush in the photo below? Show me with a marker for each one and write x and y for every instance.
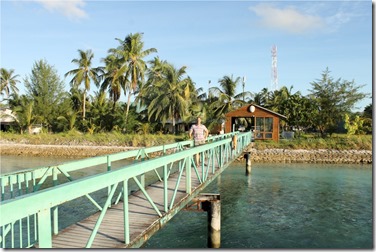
(115, 138)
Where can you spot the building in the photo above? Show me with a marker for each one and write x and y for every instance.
(7, 118)
(264, 123)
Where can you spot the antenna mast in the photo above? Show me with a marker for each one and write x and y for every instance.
(274, 73)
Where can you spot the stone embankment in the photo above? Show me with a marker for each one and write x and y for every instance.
(326, 156)
(257, 156)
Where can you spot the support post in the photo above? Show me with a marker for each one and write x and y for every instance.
(211, 203)
(44, 229)
(248, 168)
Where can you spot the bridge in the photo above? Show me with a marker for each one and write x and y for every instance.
(128, 202)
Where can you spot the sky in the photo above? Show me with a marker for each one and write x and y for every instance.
(211, 38)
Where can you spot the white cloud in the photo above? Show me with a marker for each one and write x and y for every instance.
(288, 19)
(72, 9)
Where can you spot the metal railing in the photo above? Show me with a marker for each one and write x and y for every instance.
(26, 221)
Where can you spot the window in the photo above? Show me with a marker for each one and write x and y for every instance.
(264, 128)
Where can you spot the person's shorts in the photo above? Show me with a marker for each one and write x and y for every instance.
(199, 142)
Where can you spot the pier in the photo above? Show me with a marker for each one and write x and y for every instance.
(135, 200)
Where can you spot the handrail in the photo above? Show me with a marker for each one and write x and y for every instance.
(39, 203)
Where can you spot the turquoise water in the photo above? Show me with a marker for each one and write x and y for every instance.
(278, 206)
(283, 206)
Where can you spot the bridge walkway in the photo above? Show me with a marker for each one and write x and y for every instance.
(142, 217)
(132, 207)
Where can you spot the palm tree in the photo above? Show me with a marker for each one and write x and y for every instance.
(69, 118)
(226, 99)
(114, 77)
(262, 97)
(85, 73)
(131, 50)
(173, 93)
(8, 82)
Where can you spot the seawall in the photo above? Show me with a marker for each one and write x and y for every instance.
(326, 156)
(258, 156)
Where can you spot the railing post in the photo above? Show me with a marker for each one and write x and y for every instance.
(188, 174)
(126, 212)
(44, 229)
(165, 188)
(55, 209)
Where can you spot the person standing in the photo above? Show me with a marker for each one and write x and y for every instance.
(199, 133)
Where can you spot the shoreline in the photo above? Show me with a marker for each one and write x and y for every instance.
(327, 156)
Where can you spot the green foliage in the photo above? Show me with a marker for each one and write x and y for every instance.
(355, 126)
(173, 93)
(368, 111)
(167, 94)
(45, 89)
(332, 99)
(225, 99)
(8, 84)
(337, 142)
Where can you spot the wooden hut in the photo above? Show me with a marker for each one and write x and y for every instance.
(263, 122)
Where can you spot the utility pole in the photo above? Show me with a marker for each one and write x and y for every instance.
(209, 96)
(243, 86)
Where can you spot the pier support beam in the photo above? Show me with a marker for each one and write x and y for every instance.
(248, 167)
(211, 203)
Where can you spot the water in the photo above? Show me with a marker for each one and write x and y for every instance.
(279, 206)
(283, 206)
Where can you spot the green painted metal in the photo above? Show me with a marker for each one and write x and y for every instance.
(147, 196)
(44, 228)
(101, 216)
(126, 212)
(41, 202)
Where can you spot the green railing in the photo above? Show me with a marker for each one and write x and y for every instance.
(27, 220)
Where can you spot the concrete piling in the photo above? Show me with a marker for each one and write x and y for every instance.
(213, 208)
(248, 168)
(211, 203)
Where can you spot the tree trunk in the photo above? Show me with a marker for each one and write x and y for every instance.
(84, 106)
(173, 125)
(127, 109)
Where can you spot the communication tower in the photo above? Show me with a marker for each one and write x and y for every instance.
(274, 72)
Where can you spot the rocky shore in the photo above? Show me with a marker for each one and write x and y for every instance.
(324, 156)
(257, 156)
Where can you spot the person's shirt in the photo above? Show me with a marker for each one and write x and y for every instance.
(198, 132)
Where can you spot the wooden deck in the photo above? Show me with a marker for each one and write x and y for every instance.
(141, 214)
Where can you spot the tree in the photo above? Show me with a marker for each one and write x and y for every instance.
(226, 99)
(333, 99)
(353, 126)
(8, 82)
(262, 97)
(114, 77)
(367, 113)
(131, 52)
(23, 107)
(46, 90)
(85, 73)
(173, 93)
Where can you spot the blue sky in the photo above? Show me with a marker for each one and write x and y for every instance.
(211, 38)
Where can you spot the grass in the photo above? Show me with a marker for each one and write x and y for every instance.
(338, 141)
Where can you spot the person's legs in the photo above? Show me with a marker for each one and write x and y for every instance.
(197, 143)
